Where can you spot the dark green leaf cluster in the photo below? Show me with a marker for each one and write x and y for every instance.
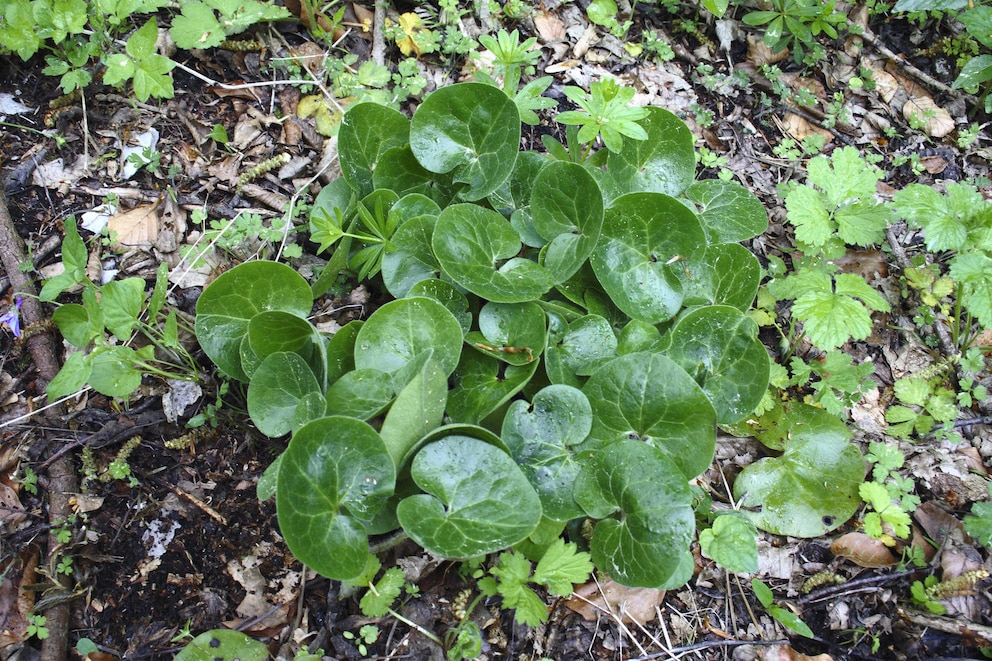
(564, 339)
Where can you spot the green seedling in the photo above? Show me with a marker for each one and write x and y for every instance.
(783, 616)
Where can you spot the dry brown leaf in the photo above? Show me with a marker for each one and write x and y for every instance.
(937, 523)
(938, 122)
(798, 128)
(863, 550)
(549, 27)
(138, 227)
(16, 599)
(758, 52)
(593, 600)
(786, 653)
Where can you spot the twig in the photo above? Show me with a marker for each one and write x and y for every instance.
(901, 62)
(710, 644)
(61, 474)
(378, 33)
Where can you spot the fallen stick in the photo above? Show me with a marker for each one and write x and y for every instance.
(61, 475)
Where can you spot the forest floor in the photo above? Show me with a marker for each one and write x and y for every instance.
(179, 543)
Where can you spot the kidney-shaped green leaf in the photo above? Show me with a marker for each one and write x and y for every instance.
(413, 258)
(729, 212)
(478, 500)
(274, 330)
(645, 239)
(335, 475)
(718, 346)
(664, 163)
(226, 306)
(361, 393)
(401, 330)
(813, 487)
(540, 435)
(566, 207)
(727, 274)
(512, 332)
(477, 248)
(644, 502)
(367, 131)
(419, 408)
(576, 350)
(276, 390)
(649, 397)
(471, 130)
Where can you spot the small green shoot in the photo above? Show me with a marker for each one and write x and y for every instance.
(605, 113)
(783, 616)
(922, 593)
(36, 627)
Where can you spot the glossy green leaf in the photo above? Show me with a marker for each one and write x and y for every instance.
(274, 330)
(567, 210)
(311, 406)
(478, 249)
(478, 501)
(664, 163)
(482, 384)
(413, 259)
(576, 350)
(447, 295)
(541, 437)
(813, 487)
(223, 645)
(514, 333)
(71, 378)
(471, 130)
(643, 501)
(718, 346)
(637, 259)
(515, 192)
(402, 329)
(727, 274)
(367, 131)
(649, 397)
(226, 306)
(400, 172)
(418, 409)
(340, 350)
(361, 393)
(276, 390)
(335, 475)
(729, 212)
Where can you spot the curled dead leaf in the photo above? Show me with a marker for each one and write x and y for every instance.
(758, 52)
(138, 227)
(595, 599)
(786, 653)
(863, 550)
(937, 122)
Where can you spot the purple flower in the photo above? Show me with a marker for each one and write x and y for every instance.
(12, 318)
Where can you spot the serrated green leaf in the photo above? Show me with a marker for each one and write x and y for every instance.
(807, 211)
(844, 177)
(197, 27)
(378, 600)
(562, 567)
(831, 319)
(973, 273)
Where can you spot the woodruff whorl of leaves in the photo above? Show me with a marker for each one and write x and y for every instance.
(564, 340)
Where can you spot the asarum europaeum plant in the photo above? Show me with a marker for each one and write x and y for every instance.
(564, 340)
